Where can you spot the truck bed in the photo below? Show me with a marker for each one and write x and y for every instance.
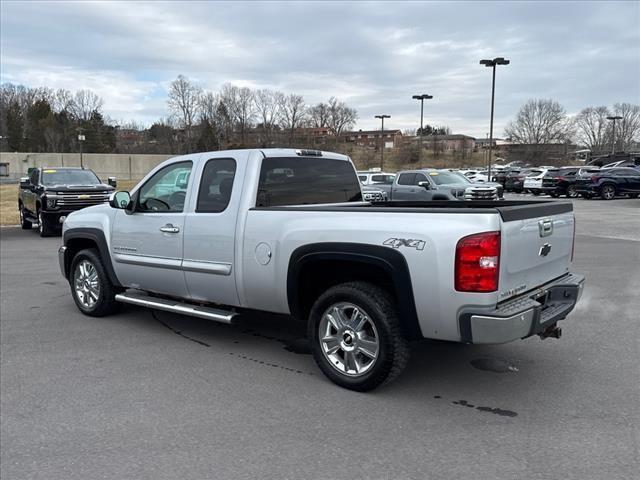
(509, 210)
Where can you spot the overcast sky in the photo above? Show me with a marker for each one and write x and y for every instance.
(374, 56)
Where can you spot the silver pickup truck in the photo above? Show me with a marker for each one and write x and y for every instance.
(286, 231)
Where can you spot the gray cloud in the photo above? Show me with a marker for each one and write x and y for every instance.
(373, 55)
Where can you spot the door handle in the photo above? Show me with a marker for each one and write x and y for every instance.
(169, 228)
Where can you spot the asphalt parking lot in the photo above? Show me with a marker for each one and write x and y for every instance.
(152, 395)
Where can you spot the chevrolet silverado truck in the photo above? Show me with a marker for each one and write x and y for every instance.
(287, 231)
(431, 184)
(48, 195)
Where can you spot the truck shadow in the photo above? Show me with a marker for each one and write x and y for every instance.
(443, 371)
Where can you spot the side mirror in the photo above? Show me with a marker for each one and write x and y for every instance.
(112, 181)
(120, 200)
(425, 185)
(25, 183)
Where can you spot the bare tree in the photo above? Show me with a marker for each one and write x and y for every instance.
(62, 101)
(267, 106)
(341, 117)
(319, 115)
(85, 102)
(292, 113)
(593, 128)
(184, 102)
(240, 105)
(540, 121)
(627, 129)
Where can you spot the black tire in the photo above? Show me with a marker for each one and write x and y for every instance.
(554, 195)
(105, 303)
(392, 348)
(634, 195)
(44, 229)
(24, 223)
(535, 192)
(586, 196)
(571, 192)
(608, 191)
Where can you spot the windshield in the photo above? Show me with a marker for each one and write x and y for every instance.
(448, 178)
(69, 177)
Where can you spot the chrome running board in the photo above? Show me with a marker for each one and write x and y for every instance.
(175, 306)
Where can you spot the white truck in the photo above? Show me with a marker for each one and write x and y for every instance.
(286, 231)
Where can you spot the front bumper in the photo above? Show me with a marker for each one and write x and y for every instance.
(526, 315)
(62, 260)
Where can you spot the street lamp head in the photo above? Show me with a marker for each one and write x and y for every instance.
(487, 63)
(617, 117)
(382, 116)
(424, 96)
(500, 61)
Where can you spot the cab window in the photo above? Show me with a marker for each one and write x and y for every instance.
(166, 190)
(406, 178)
(216, 185)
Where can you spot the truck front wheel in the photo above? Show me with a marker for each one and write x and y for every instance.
(356, 338)
(92, 291)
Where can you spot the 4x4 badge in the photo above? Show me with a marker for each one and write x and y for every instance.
(404, 242)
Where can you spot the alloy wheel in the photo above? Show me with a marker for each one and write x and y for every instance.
(86, 284)
(349, 339)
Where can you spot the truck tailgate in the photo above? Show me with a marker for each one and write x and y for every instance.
(537, 245)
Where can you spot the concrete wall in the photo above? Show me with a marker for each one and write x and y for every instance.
(104, 164)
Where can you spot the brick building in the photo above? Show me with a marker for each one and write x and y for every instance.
(372, 138)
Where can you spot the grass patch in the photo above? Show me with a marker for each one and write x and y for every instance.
(9, 200)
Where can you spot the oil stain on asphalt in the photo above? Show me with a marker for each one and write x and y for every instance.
(495, 365)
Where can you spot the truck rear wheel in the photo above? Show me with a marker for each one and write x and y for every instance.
(356, 338)
(91, 288)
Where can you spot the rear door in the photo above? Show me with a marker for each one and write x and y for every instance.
(536, 247)
(209, 258)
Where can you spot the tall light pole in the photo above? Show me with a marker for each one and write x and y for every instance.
(81, 138)
(613, 137)
(382, 117)
(422, 98)
(492, 64)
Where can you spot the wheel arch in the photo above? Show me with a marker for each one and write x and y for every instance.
(77, 239)
(315, 267)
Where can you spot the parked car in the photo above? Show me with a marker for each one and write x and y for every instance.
(431, 184)
(48, 195)
(366, 278)
(560, 181)
(370, 177)
(372, 194)
(603, 161)
(502, 175)
(608, 183)
(533, 180)
(514, 179)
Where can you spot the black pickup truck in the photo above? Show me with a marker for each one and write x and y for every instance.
(48, 195)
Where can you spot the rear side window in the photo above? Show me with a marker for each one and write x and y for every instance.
(216, 185)
(406, 178)
(306, 181)
(388, 179)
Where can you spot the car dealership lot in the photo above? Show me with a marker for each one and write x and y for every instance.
(152, 395)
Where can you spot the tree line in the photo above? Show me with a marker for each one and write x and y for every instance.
(542, 121)
(45, 120)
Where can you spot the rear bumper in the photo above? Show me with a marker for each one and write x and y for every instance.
(524, 316)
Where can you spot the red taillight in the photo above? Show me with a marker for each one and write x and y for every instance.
(478, 262)
(560, 178)
(595, 178)
(519, 178)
